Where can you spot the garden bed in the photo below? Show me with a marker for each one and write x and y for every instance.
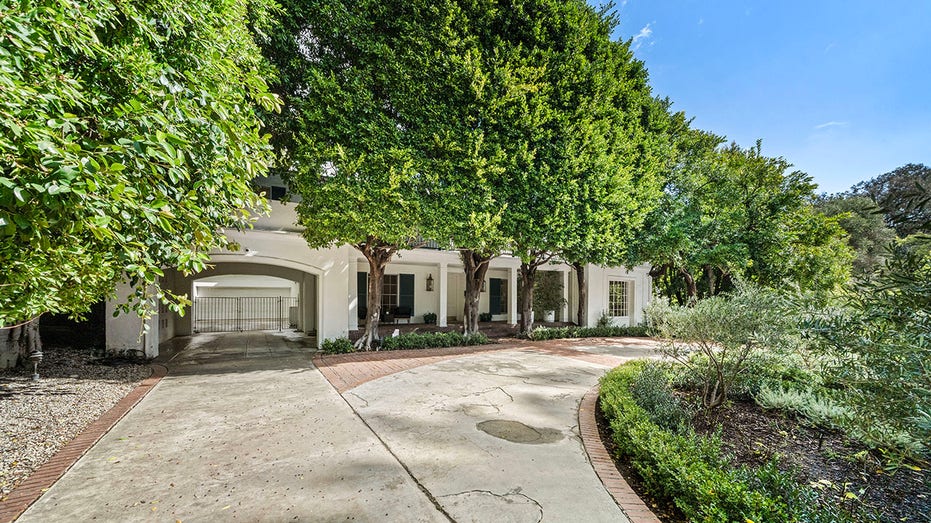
(754, 436)
(39, 417)
(823, 467)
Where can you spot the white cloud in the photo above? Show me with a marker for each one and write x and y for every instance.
(832, 123)
(644, 33)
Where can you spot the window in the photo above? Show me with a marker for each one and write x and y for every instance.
(389, 292)
(272, 192)
(618, 298)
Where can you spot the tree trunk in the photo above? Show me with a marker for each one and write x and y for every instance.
(583, 294)
(691, 287)
(18, 342)
(475, 266)
(528, 273)
(709, 274)
(378, 256)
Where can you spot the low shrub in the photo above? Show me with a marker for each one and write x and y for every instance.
(414, 340)
(692, 472)
(484, 316)
(429, 318)
(819, 409)
(337, 346)
(553, 333)
(652, 392)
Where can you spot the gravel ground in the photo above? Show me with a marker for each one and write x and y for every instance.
(38, 418)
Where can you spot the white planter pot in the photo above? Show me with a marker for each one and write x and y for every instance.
(549, 316)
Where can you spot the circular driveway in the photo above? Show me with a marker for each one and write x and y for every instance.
(245, 428)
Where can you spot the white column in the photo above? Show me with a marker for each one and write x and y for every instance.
(442, 289)
(125, 332)
(512, 296)
(565, 295)
(353, 292)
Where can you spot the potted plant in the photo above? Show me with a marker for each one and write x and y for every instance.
(548, 295)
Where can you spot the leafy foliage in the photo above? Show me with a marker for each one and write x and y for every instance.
(731, 213)
(903, 196)
(553, 333)
(651, 390)
(129, 140)
(427, 340)
(880, 345)
(725, 331)
(548, 292)
(337, 346)
(867, 233)
(364, 88)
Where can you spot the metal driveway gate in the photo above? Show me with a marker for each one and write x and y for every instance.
(226, 314)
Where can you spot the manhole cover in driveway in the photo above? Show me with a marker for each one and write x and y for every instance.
(517, 432)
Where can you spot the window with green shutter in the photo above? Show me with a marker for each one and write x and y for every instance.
(406, 292)
(362, 290)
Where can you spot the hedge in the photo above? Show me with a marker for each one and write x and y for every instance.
(411, 340)
(552, 333)
(428, 340)
(691, 471)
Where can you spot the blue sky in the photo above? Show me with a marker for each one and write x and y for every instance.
(841, 89)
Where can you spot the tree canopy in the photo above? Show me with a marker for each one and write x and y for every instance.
(732, 212)
(900, 193)
(867, 233)
(516, 126)
(129, 141)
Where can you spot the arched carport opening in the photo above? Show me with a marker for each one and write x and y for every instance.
(246, 295)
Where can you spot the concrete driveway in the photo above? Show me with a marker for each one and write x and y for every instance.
(244, 428)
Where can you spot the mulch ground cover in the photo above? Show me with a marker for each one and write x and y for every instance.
(825, 458)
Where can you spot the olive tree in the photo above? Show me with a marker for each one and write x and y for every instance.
(715, 336)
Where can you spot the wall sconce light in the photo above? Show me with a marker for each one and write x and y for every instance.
(483, 285)
(429, 282)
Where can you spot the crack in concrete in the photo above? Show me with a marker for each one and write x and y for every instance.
(360, 399)
(502, 390)
(515, 492)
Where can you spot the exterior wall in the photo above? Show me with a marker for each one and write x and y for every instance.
(325, 280)
(598, 278)
(327, 297)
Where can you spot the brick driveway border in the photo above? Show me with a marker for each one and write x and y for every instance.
(27, 492)
(625, 497)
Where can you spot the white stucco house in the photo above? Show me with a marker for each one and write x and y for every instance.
(276, 281)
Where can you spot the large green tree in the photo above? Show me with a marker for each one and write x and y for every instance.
(361, 82)
(867, 233)
(129, 140)
(733, 212)
(571, 120)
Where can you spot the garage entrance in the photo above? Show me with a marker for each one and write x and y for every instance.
(237, 303)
